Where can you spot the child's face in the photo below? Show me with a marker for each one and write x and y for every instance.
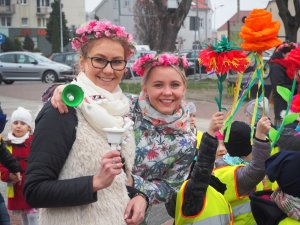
(19, 128)
(221, 150)
(193, 120)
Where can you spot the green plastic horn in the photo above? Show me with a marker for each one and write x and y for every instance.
(72, 95)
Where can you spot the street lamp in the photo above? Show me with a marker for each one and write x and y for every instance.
(61, 28)
(215, 12)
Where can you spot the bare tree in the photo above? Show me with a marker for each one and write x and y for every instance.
(291, 23)
(158, 26)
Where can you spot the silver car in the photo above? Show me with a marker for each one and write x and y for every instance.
(26, 66)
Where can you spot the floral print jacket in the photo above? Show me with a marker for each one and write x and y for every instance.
(165, 147)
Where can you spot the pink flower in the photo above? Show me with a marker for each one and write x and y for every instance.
(165, 59)
(98, 29)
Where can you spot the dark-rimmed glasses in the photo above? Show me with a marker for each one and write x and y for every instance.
(100, 63)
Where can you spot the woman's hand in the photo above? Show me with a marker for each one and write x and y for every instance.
(216, 123)
(262, 128)
(110, 166)
(135, 210)
(57, 101)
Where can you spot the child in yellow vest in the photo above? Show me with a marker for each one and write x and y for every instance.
(242, 169)
(200, 198)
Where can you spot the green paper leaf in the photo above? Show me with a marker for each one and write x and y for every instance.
(284, 92)
(272, 134)
(217, 101)
(290, 118)
(223, 108)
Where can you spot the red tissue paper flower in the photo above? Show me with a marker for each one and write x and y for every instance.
(223, 62)
(295, 106)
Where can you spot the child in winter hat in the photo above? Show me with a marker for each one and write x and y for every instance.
(22, 114)
(19, 142)
(21, 125)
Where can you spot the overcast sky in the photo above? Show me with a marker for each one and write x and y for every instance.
(222, 13)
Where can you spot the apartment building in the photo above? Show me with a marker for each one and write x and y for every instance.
(21, 18)
(122, 12)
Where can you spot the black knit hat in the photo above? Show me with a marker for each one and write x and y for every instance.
(284, 168)
(239, 139)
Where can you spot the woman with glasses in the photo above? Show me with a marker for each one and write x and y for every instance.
(74, 175)
(164, 141)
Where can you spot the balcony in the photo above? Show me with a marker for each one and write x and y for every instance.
(7, 9)
(42, 11)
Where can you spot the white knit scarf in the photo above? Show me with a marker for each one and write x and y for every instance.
(17, 140)
(101, 108)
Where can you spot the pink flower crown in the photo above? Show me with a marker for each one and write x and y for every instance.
(100, 29)
(152, 60)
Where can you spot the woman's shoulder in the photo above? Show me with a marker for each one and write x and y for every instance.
(50, 115)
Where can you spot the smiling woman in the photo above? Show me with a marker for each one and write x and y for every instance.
(77, 156)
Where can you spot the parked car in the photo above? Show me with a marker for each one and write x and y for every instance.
(194, 66)
(26, 66)
(129, 73)
(67, 58)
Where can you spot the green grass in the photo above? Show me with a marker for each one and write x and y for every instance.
(205, 84)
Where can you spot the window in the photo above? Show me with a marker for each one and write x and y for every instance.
(5, 21)
(115, 4)
(42, 22)
(43, 3)
(8, 58)
(201, 22)
(126, 4)
(24, 22)
(24, 59)
(23, 2)
(4, 2)
(58, 58)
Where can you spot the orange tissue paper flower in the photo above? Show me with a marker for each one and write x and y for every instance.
(259, 32)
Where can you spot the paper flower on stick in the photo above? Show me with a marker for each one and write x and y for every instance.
(221, 58)
(293, 102)
(260, 32)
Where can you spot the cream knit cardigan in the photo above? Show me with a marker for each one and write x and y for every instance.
(83, 160)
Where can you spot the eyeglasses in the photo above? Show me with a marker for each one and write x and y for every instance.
(100, 63)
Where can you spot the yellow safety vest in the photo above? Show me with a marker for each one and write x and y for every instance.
(289, 221)
(10, 186)
(199, 137)
(240, 204)
(215, 210)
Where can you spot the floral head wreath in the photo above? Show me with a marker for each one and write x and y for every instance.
(152, 60)
(102, 29)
